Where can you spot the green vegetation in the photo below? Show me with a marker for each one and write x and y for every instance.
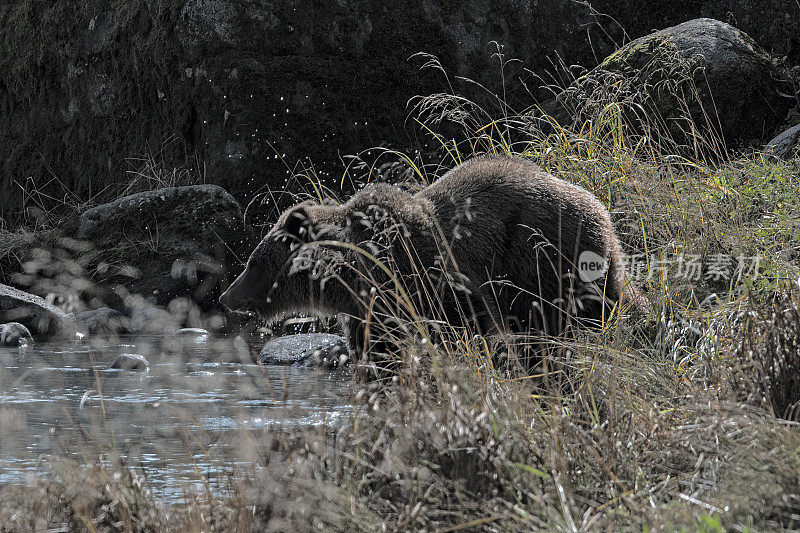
(684, 421)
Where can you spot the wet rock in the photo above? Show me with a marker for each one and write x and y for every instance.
(102, 321)
(311, 349)
(174, 240)
(189, 343)
(784, 146)
(737, 102)
(153, 320)
(130, 361)
(14, 334)
(35, 314)
(192, 333)
(191, 338)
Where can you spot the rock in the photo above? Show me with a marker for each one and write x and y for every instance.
(772, 23)
(784, 145)
(192, 333)
(14, 334)
(130, 361)
(191, 337)
(737, 83)
(35, 314)
(190, 344)
(174, 239)
(153, 320)
(312, 349)
(101, 321)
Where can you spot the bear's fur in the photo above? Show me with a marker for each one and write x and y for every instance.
(493, 244)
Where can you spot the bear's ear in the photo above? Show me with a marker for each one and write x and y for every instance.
(298, 225)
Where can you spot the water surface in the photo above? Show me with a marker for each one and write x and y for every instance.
(199, 413)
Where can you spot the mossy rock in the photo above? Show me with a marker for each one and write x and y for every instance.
(175, 241)
(772, 23)
(702, 82)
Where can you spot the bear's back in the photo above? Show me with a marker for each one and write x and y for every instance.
(507, 219)
(501, 186)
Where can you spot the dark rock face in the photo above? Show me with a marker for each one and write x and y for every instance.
(784, 145)
(14, 334)
(312, 349)
(175, 240)
(737, 101)
(208, 83)
(35, 314)
(130, 361)
(83, 86)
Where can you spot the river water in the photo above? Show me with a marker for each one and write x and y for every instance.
(196, 415)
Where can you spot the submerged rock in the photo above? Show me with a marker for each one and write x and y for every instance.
(130, 361)
(35, 314)
(14, 334)
(311, 349)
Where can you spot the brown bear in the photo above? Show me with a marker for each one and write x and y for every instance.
(495, 243)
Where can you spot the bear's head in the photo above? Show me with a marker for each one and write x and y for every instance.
(292, 269)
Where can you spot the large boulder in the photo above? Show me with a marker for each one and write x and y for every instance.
(175, 241)
(228, 87)
(704, 82)
(33, 312)
(772, 23)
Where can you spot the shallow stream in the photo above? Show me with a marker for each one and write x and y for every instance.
(201, 409)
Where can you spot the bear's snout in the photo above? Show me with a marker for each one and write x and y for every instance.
(233, 297)
(241, 295)
(225, 299)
